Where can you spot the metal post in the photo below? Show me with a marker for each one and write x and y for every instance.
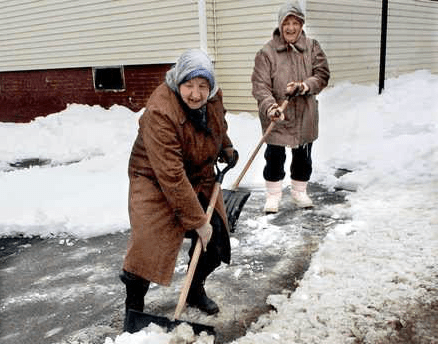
(384, 29)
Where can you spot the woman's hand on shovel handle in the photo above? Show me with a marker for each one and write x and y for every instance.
(275, 113)
(228, 156)
(205, 233)
(296, 88)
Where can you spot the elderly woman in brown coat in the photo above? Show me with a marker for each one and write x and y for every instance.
(289, 64)
(181, 135)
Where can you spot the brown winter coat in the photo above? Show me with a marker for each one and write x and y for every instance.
(169, 165)
(277, 64)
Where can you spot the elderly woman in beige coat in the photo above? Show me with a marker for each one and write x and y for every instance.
(289, 64)
(181, 136)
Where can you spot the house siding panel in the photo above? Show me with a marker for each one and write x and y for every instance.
(65, 34)
(349, 32)
(242, 29)
(412, 39)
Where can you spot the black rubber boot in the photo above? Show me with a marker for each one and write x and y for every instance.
(197, 298)
(136, 289)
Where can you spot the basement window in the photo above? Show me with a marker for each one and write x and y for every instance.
(109, 78)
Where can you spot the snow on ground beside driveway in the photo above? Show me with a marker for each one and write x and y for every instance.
(369, 271)
(366, 274)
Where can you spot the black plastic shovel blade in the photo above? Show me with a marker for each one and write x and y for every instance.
(136, 321)
(234, 201)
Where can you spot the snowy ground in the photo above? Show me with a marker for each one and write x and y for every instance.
(368, 274)
(78, 297)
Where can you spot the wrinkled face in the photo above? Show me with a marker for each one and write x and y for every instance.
(291, 28)
(195, 92)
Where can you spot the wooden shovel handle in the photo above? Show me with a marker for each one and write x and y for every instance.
(257, 148)
(195, 256)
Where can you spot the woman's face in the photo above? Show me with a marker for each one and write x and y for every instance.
(291, 29)
(195, 92)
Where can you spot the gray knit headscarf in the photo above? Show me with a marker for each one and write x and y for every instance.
(293, 8)
(191, 64)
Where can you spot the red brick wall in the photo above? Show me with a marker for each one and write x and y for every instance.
(25, 95)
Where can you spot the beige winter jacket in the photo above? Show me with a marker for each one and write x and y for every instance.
(277, 64)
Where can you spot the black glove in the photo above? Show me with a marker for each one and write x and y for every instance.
(229, 156)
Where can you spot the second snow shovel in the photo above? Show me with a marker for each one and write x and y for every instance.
(139, 320)
(234, 198)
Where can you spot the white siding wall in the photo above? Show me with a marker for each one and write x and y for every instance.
(412, 36)
(211, 22)
(242, 27)
(45, 34)
(349, 32)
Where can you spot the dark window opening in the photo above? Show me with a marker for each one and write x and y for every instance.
(109, 79)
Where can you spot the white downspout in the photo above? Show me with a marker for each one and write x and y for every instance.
(203, 25)
(214, 16)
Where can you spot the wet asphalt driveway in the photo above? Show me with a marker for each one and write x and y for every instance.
(64, 290)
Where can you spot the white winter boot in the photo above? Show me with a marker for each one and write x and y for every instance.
(273, 196)
(299, 194)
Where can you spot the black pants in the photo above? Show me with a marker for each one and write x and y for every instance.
(301, 165)
(217, 250)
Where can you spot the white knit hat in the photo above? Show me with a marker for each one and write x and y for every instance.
(290, 8)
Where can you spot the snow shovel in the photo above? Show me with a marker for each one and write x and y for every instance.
(139, 320)
(235, 199)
